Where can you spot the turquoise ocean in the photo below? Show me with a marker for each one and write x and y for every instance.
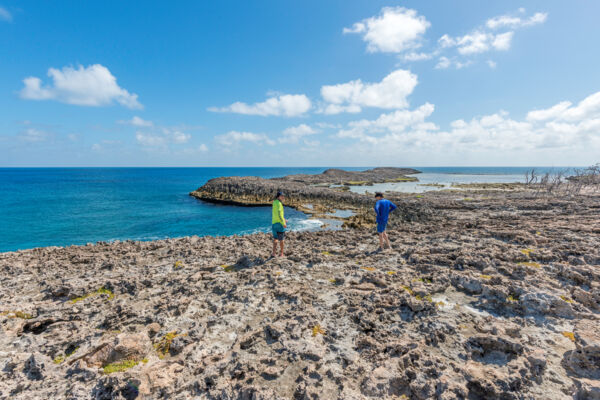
(67, 206)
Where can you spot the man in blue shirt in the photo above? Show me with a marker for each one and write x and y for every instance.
(383, 208)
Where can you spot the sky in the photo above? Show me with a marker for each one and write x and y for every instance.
(290, 83)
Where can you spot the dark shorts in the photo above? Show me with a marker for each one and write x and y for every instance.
(278, 231)
(381, 227)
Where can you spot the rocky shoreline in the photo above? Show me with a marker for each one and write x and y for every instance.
(315, 195)
(489, 296)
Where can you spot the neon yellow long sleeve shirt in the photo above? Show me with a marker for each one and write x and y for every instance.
(278, 213)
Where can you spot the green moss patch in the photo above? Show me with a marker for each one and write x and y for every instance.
(67, 354)
(100, 291)
(119, 366)
(164, 345)
(16, 314)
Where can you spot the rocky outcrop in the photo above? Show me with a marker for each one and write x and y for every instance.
(334, 176)
(493, 298)
(313, 194)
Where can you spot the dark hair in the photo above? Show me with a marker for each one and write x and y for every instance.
(279, 194)
(378, 194)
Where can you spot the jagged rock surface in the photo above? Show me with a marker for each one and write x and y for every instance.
(494, 297)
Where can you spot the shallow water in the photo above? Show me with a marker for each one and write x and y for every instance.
(65, 206)
(446, 176)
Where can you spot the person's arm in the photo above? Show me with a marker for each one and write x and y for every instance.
(376, 208)
(392, 206)
(281, 215)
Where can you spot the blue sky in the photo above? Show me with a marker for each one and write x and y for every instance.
(287, 83)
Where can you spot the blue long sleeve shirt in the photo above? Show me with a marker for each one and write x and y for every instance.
(383, 208)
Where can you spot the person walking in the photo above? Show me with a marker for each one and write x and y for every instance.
(383, 208)
(278, 224)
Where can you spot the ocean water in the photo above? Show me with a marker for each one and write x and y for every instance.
(66, 206)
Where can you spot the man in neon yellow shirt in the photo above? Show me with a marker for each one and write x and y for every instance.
(279, 224)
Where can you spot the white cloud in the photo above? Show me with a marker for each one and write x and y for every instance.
(394, 30)
(391, 92)
(137, 121)
(484, 39)
(477, 42)
(162, 138)
(587, 109)
(327, 125)
(502, 41)
(564, 126)
(414, 56)
(331, 109)
(445, 62)
(32, 135)
(491, 64)
(233, 138)
(5, 15)
(397, 121)
(295, 133)
(508, 21)
(176, 136)
(549, 113)
(150, 140)
(90, 86)
(195, 150)
(289, 105)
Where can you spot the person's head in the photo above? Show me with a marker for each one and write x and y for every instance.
(280, 196)
(378, 196)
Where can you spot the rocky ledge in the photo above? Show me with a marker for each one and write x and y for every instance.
(315, 194)
(495, 296)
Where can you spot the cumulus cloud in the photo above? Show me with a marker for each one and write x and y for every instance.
(477, 42)
(288, 105)
(234, 138)
(587, 109)
(484, 39)
(513, 22)
(5, 15)
(176, 136)
(293, 134)
(390, 93)
(84, 86)
(394, 30)
(562, 126)
(445, 62)
(137, 121)
(394, 122)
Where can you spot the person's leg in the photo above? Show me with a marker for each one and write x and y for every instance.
(274, 253)
(380, 240)
(281, 239)
(387, 240)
